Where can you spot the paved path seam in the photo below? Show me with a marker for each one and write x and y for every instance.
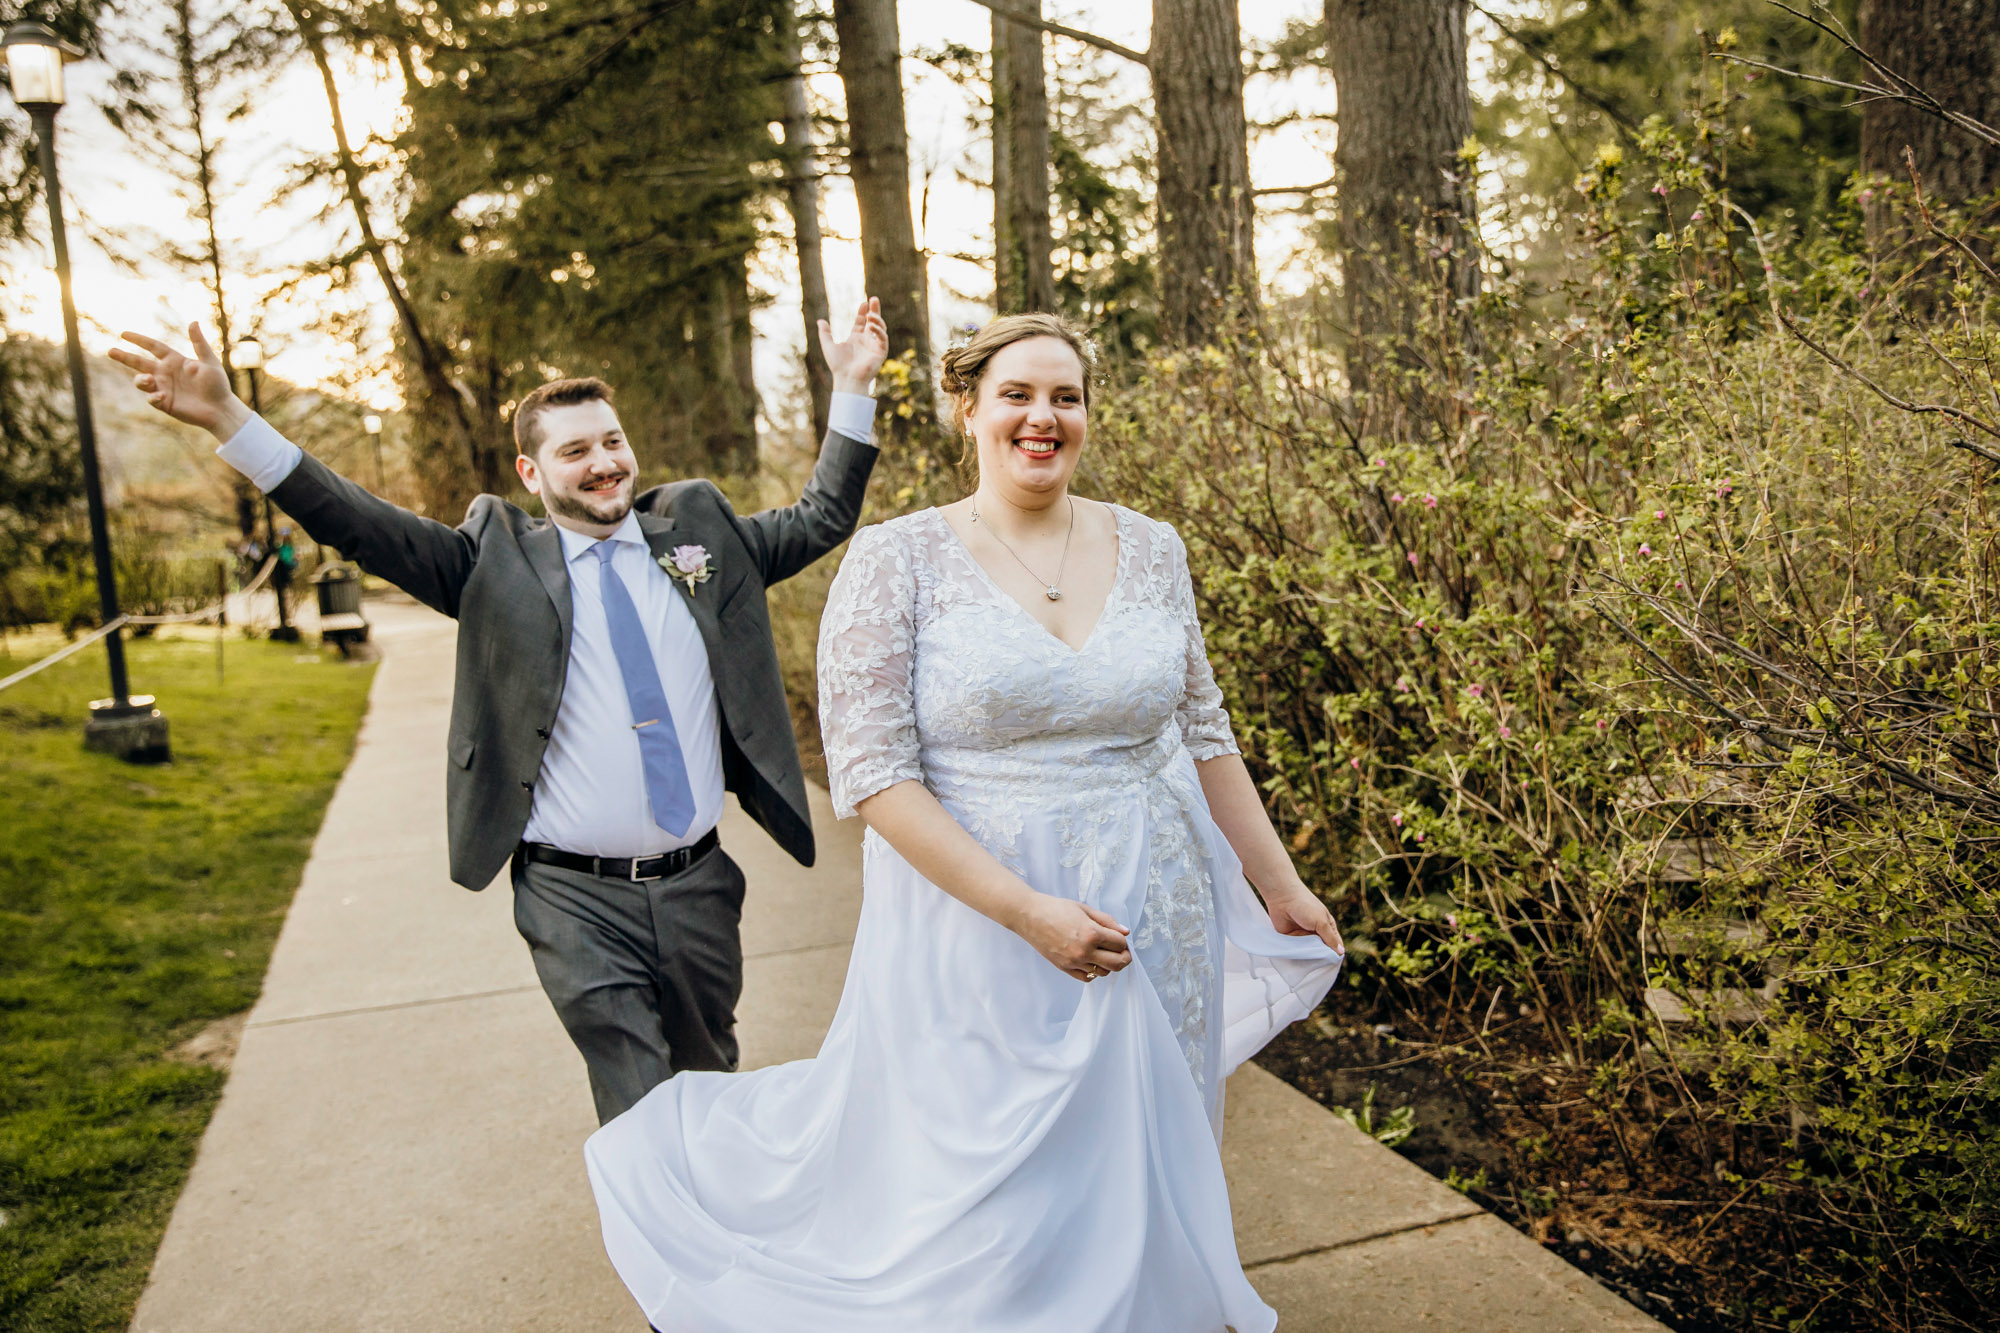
(290, 1019)
(795, 950)
(1385, 1234)
(387, 1008)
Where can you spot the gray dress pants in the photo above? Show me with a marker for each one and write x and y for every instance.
(645, 976)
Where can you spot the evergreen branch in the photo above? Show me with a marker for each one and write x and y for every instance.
(1076, 35)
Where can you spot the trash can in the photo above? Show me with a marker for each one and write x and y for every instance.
(338, 588)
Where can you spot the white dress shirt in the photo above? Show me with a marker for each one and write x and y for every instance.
(591, 796)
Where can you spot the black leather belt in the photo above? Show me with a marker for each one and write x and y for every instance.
(637, 869)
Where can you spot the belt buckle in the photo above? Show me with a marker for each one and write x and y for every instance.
(632, 870)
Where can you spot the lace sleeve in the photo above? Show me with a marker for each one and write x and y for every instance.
(866, 637)
(1203, 720)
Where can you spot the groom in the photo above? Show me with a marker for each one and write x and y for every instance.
(615, 675)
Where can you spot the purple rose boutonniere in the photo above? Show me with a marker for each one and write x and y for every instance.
(689, 565)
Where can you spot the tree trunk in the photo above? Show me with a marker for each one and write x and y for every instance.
(1024, 278)
(1206, 258)
(1951, 49)
(871, 58)
(727, 416)
(1405, 111)
(802, 195)
(202, 163)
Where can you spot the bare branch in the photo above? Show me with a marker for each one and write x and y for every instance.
(1622, 122)
(1901, 89)
(1076, 35)
(1314, 188)
(1972, 448)
(1902, 404)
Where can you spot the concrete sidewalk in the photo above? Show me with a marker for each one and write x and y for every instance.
(398, 1145)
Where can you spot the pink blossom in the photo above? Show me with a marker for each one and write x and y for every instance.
(1602, 724)
(1451, 919)
(1867, 196)
(1680, 583)
(1659, 513)
(1381, 462)
(1413, 557)
(1660, 190)
(1355, 763)
(1477, 690)
(1430, 502)
(1697, 215)
(1420, 622)
(1644, 549)
(1505, 731)
(1397, 819)
(1419, 837)
(1402, 686)
(690, 559)
(1396, 499)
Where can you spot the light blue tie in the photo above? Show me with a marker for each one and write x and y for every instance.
(667, 789)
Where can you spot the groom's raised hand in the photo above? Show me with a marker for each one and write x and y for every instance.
(194, 389)
(855, 359)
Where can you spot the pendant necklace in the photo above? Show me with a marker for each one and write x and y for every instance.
(1053, 590)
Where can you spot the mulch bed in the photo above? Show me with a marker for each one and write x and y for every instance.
(1640, 1219)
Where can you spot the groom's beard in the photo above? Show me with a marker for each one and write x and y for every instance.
(583, 507)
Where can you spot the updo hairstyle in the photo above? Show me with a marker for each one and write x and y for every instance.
(961, 368)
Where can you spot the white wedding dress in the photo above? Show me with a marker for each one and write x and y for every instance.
(983, 1144)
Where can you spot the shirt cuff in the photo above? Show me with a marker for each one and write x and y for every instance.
(261, 454)
(853, 415)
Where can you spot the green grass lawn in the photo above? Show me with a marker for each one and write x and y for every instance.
(138, 905)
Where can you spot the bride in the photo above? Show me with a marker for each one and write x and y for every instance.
(1012, 1125)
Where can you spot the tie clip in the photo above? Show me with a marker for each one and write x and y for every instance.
(651, 721)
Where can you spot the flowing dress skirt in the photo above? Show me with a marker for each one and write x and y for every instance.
(982, 1143)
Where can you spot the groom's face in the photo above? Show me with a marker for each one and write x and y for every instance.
(583, 468)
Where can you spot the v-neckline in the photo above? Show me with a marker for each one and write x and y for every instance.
(993, 584)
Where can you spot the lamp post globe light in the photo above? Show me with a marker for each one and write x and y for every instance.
(250, 356)
(125, 725)
(372, 423)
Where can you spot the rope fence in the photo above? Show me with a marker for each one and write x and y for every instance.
(61, 653)
(215, 611)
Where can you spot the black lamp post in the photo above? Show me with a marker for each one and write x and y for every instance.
(126, 724)
(250, 356)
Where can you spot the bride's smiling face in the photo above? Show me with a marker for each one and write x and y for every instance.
(1029, 420)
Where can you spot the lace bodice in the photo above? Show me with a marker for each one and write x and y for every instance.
(928, 671)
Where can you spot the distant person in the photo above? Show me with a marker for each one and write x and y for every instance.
(251, 553)
(1016, 699)
(616, 674)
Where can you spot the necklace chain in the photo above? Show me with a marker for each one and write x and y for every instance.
(1052, 589)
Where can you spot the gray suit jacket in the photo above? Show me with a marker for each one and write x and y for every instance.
(501, 574)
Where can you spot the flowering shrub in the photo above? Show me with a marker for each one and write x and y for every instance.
(1625, 655)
